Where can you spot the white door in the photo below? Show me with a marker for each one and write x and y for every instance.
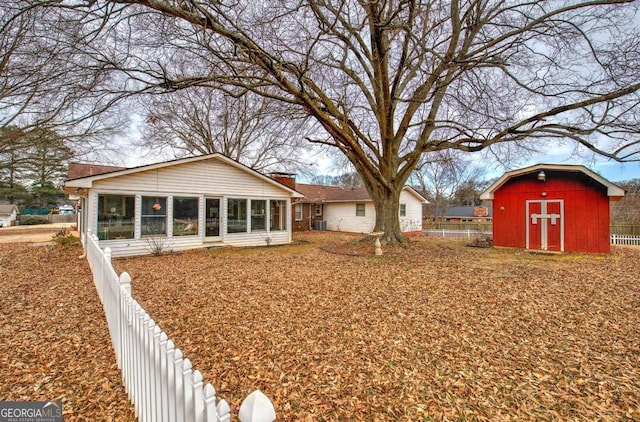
(545, 225)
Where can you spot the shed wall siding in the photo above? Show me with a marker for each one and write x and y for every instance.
(586, 210)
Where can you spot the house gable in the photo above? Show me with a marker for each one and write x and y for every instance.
(214, 171)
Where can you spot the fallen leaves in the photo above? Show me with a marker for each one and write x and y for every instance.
(55, 343)
(435, 330)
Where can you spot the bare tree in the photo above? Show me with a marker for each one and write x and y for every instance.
(443, 176)
(627, 210)
(256, 131)
(48, 81)
(389, 81)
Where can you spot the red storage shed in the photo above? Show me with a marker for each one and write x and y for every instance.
(552, 207)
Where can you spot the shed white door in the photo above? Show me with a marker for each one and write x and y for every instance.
(545, 225)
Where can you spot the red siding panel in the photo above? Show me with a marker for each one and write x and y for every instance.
(586, 211)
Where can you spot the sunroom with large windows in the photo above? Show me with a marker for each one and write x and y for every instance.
(203, 201)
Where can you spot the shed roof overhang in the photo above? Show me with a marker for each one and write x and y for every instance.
(614, 191)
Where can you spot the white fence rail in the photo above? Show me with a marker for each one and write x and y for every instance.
(159, 380)
(457, 234)
(619, 239)
(616, 239)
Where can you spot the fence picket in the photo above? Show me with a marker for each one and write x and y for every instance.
(198, 397)
(159, 380)
(164, 391)
(179, 390)
(170, 381)
(156, 380)
(187, 385)
(625, 240)
(209, 403)
(224, 411)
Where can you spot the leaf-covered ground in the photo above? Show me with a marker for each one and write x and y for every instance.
(54, 341)
(436, 331)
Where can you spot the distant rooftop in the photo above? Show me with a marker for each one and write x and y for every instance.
(78, 170)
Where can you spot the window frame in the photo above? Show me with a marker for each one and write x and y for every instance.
(239, 208)
(118, 215)
(262, 216)
(162, 200)
(281, 214)
(402, 211)
(298, 210)
(195, 223)
(361, 210)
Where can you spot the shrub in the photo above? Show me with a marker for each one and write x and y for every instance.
(64, 239)
(33, 220)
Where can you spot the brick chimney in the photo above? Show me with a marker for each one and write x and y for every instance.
(287, 179)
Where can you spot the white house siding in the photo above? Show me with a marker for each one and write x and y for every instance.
(412, 222)
(341, 216)
(7, 219)
(202, 179)
(209, 177)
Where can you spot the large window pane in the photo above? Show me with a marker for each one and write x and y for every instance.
(115, 217)
(154, 216)
(185, 216)
(236, 215)
(278, 215)
(258, 215)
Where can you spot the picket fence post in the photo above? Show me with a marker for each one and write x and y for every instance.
(257, 407)
(160, 382)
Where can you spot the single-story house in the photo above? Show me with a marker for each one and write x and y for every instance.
(468, 214)
(553, 207)
(203, 201)
(347, 209)
(8, 215)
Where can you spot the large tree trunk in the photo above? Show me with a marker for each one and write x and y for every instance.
(387, 204)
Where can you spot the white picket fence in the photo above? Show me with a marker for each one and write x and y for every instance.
(621, 239)
(159, 380)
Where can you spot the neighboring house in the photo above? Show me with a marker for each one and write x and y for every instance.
(468, 214)
(348, 209)
(553, 207)
(189, 203)
(8, 215)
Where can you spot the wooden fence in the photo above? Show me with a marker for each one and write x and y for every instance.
(616, 239)
(458, 234)
(486, 226)
(159, 380)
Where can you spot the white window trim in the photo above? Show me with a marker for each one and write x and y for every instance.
(298, 206)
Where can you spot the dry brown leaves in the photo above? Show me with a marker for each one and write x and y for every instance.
(433, 331)
(54, 341)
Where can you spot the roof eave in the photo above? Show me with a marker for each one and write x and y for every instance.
(613, 191)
